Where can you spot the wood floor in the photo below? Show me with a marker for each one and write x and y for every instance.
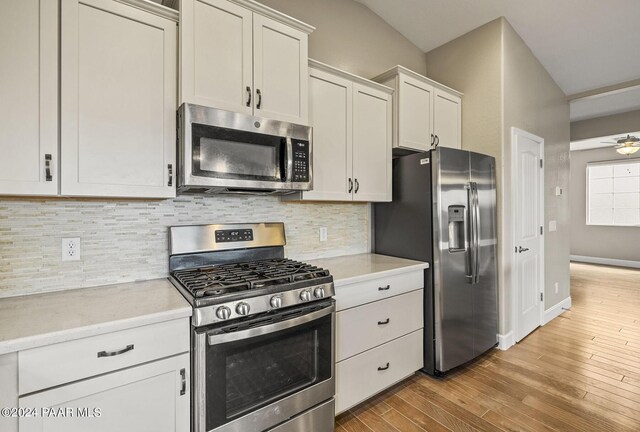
(580, 372)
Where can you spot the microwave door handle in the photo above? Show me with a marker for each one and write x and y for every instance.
(216, 339)
(288, 156)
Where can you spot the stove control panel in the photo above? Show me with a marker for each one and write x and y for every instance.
(226, 236)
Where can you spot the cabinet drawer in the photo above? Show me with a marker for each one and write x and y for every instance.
(359, 377)
(365, 327)
(56, 364)
(356, 294)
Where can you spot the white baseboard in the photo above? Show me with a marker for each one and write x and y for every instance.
(506, 341)
(556, 310)
(605, 261)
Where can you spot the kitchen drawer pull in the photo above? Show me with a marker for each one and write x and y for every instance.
(357, 186)
(386, 288)
(259, 104)
(350, 185)
(385, 367)
(115, 353)
(183, 377)
(248, 96)
(383, 322)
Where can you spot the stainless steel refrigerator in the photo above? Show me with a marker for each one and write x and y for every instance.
(444, 212)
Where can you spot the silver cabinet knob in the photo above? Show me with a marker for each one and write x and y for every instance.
(242, 308)
(223, 312)
(305, 295)
(276, 302)
(318, 292)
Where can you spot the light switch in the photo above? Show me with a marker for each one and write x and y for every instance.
(558, 191)
(552, 226)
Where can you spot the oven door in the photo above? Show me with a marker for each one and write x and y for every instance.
(256, 374)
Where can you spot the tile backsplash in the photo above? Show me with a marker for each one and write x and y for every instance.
(126, 240)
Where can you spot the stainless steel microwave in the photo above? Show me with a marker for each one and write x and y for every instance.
(225, 152)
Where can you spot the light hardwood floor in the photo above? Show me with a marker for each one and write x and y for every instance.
(580, 372)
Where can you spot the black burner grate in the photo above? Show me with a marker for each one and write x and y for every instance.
(230, 278)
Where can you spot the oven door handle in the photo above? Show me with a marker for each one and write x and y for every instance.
(216, 339)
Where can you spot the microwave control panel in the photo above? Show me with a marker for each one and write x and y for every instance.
(300, 161)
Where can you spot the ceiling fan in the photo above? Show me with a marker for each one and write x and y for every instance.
(626, 145)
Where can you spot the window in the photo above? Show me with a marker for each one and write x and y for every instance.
(613, 193)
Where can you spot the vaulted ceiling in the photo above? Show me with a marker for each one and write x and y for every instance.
(589, 47)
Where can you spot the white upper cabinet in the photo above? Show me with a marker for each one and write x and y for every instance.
(118, 100)
(351, 119)
(245, 57)
(29, 91)
(425, 113)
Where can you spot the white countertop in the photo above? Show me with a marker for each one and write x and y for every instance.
(349, 269)
(42, 319)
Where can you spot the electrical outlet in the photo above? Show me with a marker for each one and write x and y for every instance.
(71, 249)
(323, 234)
(556, 286)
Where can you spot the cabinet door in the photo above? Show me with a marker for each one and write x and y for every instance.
(415, 113)
(118, 100)
(280, 71)
(153, 397)
(29, 91)
(216, 55)
(371, 144)
(447, 119)
(330, 114)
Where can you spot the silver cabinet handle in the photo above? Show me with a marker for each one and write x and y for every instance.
(383, 322)
(521, 249)
(170, 171)
(47, 167)
(183, 377)
(248, 96)
(115, 353)
(385, 367)
(259, 104)
(385, 288)
(357, 186)
(350, 185)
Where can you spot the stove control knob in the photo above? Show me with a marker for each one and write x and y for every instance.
(223, 312)
(276, 302)
(305, 295)
(318, 292)
(242, 308)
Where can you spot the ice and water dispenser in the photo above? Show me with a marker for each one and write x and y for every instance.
(457, 228)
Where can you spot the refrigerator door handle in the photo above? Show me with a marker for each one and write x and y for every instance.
(476, 231)
(471, 235)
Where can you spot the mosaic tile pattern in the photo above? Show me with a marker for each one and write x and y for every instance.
(126, 240)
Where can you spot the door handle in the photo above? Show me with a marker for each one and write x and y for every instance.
(47, 165)
(521, 249)
(170, 171)
(248, 96)
(383, 322)
(385, 367)
(476, 231)
(259, 93)
(385, 288)
(350, 185)
(357, 186)
(183, 381)
(115, 353)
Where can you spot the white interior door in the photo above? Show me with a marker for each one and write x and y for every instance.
(280, 71)
(528, 217)
(330, 114)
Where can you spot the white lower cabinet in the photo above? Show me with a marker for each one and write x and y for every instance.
(153, 397)
(379, 335)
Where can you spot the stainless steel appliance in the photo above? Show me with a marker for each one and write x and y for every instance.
(263, 330)
(444, 212)
(225, 152)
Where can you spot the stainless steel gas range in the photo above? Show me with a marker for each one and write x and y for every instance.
(263, 344)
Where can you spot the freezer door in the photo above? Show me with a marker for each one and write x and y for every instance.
(452, 283)
(484, 289)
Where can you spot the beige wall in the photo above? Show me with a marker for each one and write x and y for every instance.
(622, 243)
(351, 37)
(504, 85)
(604, 126)
(534, 102)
